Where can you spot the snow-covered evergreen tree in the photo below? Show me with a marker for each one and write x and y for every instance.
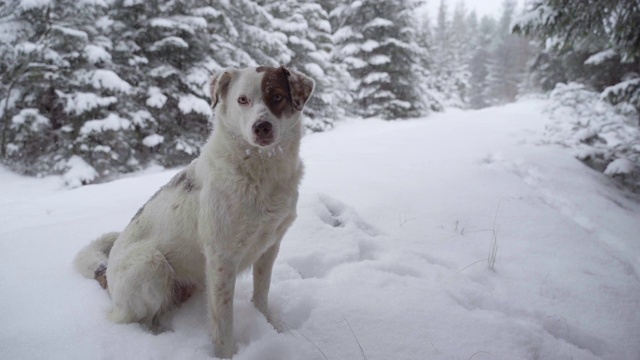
(460, 51)
(450, 67)
(480, 58)
(254, 31)
(60, 91)
(505, 75)
(163, 48)
(432, 97)
(376, 40)
(597, 46)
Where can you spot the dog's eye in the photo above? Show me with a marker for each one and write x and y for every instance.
(277, 98)
(243, 100)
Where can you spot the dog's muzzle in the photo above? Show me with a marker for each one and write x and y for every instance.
(263, 133)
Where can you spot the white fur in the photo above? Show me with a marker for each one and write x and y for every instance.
(227, 211)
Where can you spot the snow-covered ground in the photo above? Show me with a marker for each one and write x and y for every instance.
(451, 237)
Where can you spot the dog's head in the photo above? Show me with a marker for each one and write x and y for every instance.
(261, 104)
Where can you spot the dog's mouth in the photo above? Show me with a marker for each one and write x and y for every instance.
(263, 133)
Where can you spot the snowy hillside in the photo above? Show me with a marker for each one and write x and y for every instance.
(456, 236)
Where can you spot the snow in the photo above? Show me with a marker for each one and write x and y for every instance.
(152, 140)
(378, 22)
(389, 257)
(535, 16)
(307, 45)
(141, 118)
(396, 42)
(112, 122)
(163, 71)
(622, 87)
(186, 147)
(400, 104)
(343, 34)
(96, 54)
(108, 79)
(135, 60)
(350, 49)
(207, 11)
(28, 47)
(354, 62)
(185, 23)
(376, 77)
(30, 116)
(81, 102)
(379, 60)
(314, 70)
(163, 22)
(596, 130)
(288, 26)
(104, 23)
(155, 97)
(27, 5)
(370, 45)
(79, 172)
(191, 103)
(599, 58)
(354, 48)
(619, 166)
(177, 43)
(80, 35)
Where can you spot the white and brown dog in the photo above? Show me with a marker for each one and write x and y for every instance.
(225, 212)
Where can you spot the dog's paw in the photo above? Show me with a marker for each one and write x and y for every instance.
(277, 324)
(225, 350)
(158, 328)
(275, 321)
(158, 324)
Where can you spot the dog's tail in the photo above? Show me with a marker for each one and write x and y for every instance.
(92, 260)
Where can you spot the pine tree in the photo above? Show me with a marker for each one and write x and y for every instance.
(504, 73)
(254, 32)
(164, 49)
(376, 41)
(432, 97)
(480, 57)
(460, 50)
(59, 89)
(450, 70)
(596, 45)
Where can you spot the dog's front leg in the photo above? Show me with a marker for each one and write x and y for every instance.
(262, 280)
(262, 272)
(221, 282)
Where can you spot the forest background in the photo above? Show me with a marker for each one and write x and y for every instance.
(95, 88)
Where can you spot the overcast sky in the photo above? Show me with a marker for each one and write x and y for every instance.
(482, 7)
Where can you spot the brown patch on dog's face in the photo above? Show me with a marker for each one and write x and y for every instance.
(284, 91)
(275, 91)
(301, 89)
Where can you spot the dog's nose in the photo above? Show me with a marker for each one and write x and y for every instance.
(262, 129)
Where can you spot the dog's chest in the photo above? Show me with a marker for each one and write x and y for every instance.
(264, 207)
(256, 223)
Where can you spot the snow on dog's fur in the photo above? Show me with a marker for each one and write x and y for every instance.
(225, 212)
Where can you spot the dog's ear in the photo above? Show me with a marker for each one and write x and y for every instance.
(300, 86)
(219, 85)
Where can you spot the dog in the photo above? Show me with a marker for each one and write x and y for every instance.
(228, 210)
